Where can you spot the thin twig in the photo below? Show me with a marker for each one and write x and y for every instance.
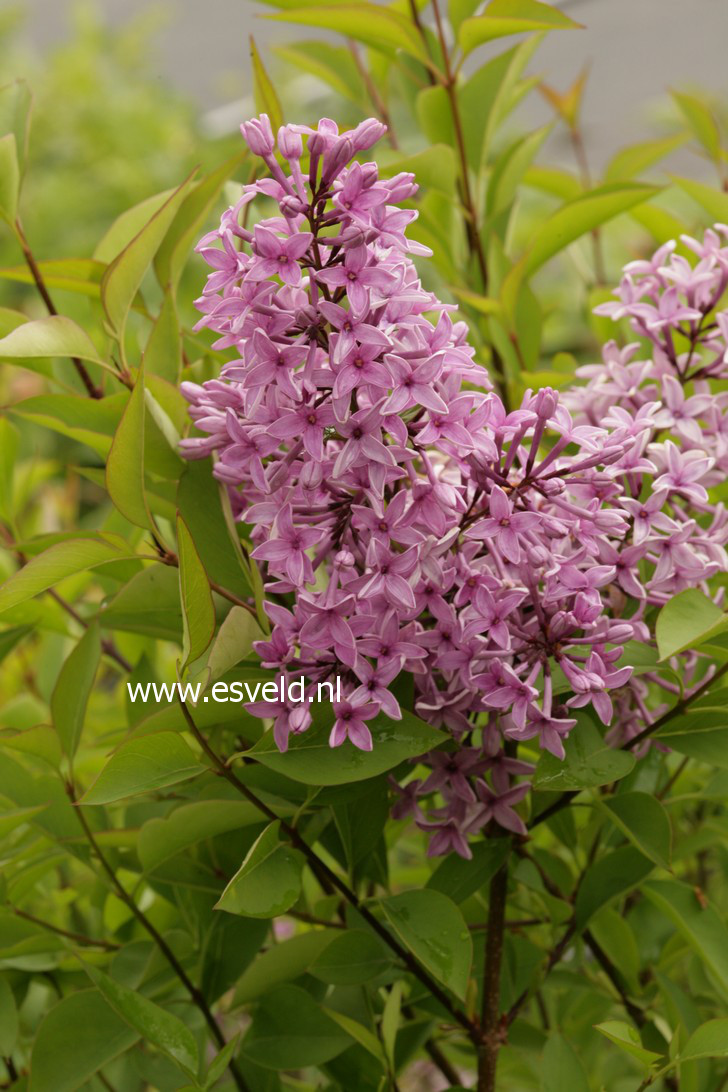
(77, 938)
(92, 390)
(493, 1028)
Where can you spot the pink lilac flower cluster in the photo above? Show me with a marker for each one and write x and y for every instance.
(407, 523)
(677, 534)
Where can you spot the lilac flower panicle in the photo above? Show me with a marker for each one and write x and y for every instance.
(412, 522)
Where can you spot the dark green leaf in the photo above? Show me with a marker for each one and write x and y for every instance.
(144, 764)
(198, 610)
(686, 621)
(699, 924)
(588, 762)
(608, 878)
(73, 688)
(643, 819)
(269, 880)
(432, 927)
(290, 1031)
(125, 464)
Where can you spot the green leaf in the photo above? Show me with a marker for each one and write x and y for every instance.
(124, 276)
(162, 839)
(158, 1026)
(52, 336)
(264, 93)
(709, 198)
(198, 610)
(376, 26)
(459, 879)
(702, 122)
(8, 1020)
(581, 215)
(73, 688)
(290, 1031)
(234, 642)
(310, 759)
(643, 819)
(608, 878)
(432, 927)
(221, 1061)
(269, 880)
(701, 734)
(90, 421)
(632, 161)
(561, 1067)
(127, 226)
(16, 102)
(588, 762)
(685, 621)
(710, 1040)
(64, 559)
(205, 510)
(149, 604)
(82, 275)
(627, 1037)
(352, 957)
(142, 765)
(163, 352)
(9, 178)
(700, 926)
(504, 17)
(9, 440)
(359, 1033)
(125, 464)
(77, 1037)
(282, 962)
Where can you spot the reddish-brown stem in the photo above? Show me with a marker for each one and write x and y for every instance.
(493, 1027)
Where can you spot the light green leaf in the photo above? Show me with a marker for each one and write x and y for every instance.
(702, 122)
(51, 336)
(710, 1040)
(221, 1061)
(310, 759)
(124, 276)
(709, 198)
(198, 610)
(73, 688)
(127, 226)
(90, 421)
(75, 555)
(282, 962)
(62, 1061)
(205, 510)
(8, 1020)
(290, 1031)
(264, 93)
(162, 839)
(82, 275)
(9, 178)
(158, 1026)
(632, 161)
(234, 641)
(432, 927)
(163, 352)
(504, 17)
(627, 1037)
(359, 1033)
(9, 440)
(608, 878)
(700, 925)
(269, 880)
(686, 621)
(459, 879)
(125, 464)
(142, 765)
(588, 762)
(149, 604)
(561, 1067)
(369, 23)
(352, 957)
(701, 734)
(643, 819)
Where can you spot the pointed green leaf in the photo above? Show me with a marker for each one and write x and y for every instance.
(710, 1040)
(8, 1020)
(608, 878)
(700, 925)
(162, 839)
(264, 93)
(52, 336)
(269, 880)
(376, 26)
(504, 17)
(701, 121)
(125, 274)
(9, 178)
(290, 1031)
(587, 763)
(204, 508)
(198, 610)
(9, 440)
(643, 819)
(158, 1026)
(627, 1037)
(73, 688)
(561, 1067)
(75, 555)
(144, 764)
(163, 352)
(433, 928)
(685, 621)
(125, 464)
(234, 641)
(77, 1037)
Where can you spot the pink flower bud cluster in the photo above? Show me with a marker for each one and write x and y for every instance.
(406, 522)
